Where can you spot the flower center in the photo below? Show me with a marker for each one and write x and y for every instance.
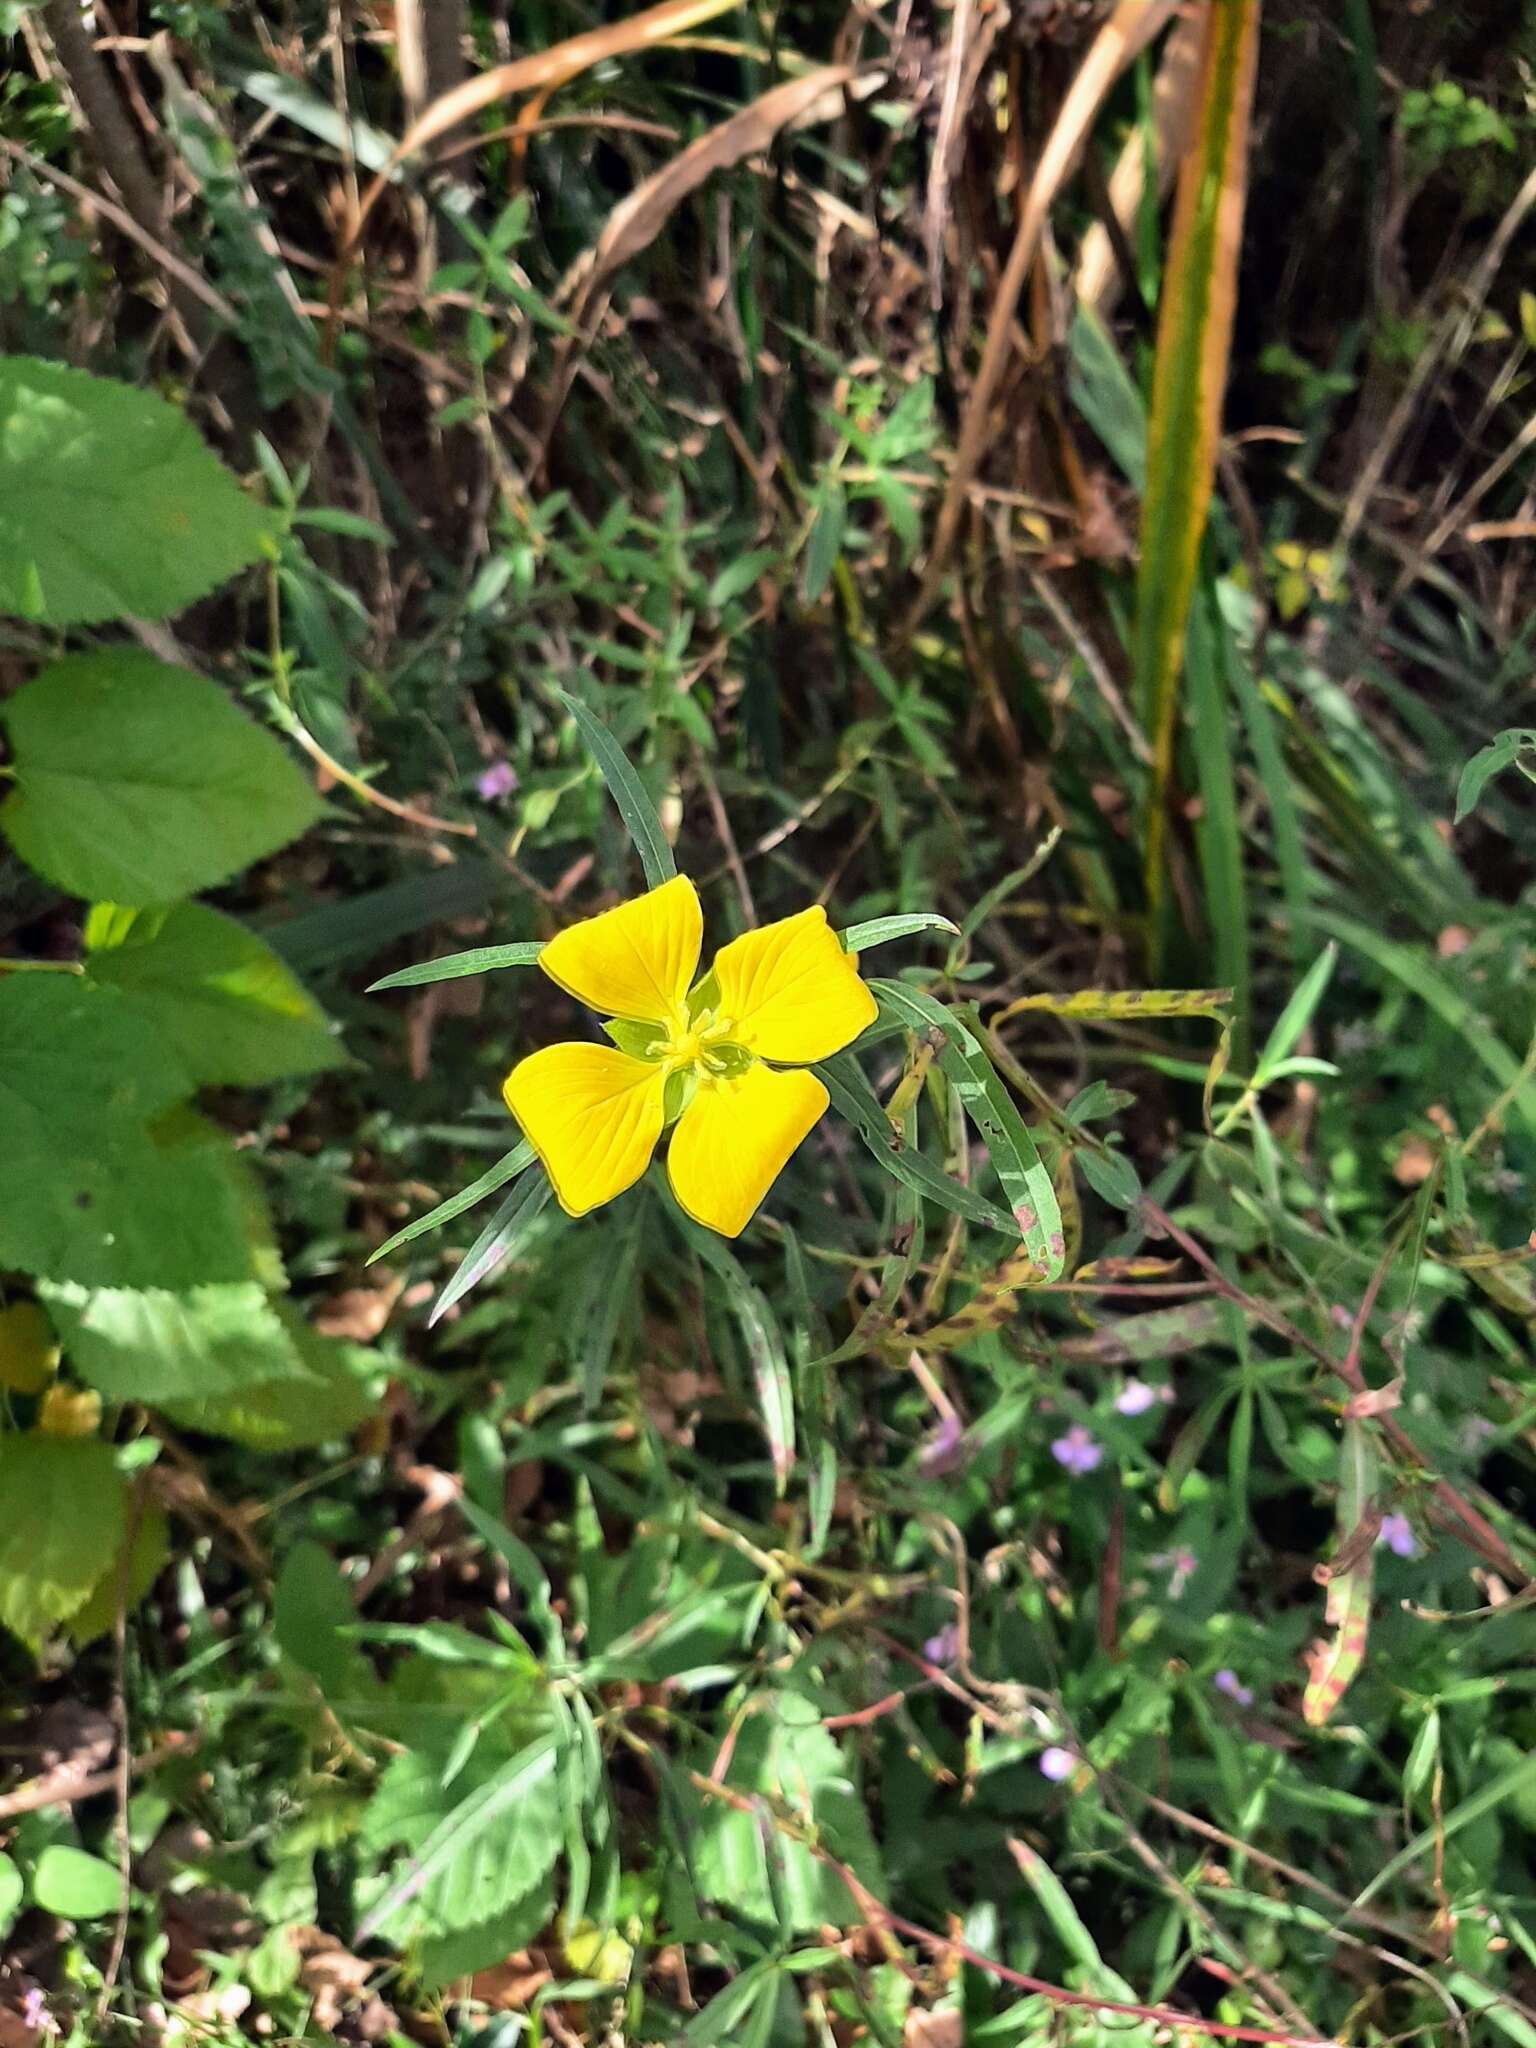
(703, 1043)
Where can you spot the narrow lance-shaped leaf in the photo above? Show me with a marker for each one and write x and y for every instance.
(635, 807)
(964, 1061)
(455, 966)
(1194, 338)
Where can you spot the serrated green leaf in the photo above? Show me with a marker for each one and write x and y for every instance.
(152, 1345)
(110, 504)
(442, 1959)
(218, 993)
(62, 1526)
(108, 1188)
(477, 1847)
(149, 1552)
(783, 1753)
(335, 1395)
(454, 966)
(137, 783)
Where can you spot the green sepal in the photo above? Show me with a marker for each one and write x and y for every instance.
(641, 1040)
(704, 995)
(729, 1061)
(679, 1092)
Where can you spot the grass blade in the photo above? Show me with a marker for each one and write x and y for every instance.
(1194, 337)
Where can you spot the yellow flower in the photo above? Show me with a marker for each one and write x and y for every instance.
(696, 1054)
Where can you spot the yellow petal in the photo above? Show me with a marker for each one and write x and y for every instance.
(790, 992)
(636, 960)
(592, 1114)
(733, 1139)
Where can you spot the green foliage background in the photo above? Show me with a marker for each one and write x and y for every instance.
(1065, 1572)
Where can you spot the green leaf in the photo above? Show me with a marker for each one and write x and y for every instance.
(1298, 1012)
(74, 1885)
(221, 996)
(11, 1892)
(1499, 754)
(63, 1524)
(855, 1101)
(760, 1331)
(311, 1606)
(151, 1345)
(500, 1238)
(336, 1393)
(783, 1753)
(110, 505)
(1194, 336)
(825, 543)
(454, 966)
(878, 931)
(635, 807)
(148, 1555)
(137, 783)
(441, 1959)
(477, 1846)
(508, 1167)
(1018, 1165)
(114, 1191)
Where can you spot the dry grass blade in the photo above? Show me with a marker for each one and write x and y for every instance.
(1194, 340)
(640, 217)
(1123, 37)
(1097, 279)
(541, 73)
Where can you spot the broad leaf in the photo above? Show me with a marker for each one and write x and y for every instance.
(220, 996)
(137, 783)
(110, 504)
(783, 1753)
(61, 1528)
(478, 1845)
(74, 1885)
(333, 1397)
(149, 1552)
(105, 1185)
(151, 1345)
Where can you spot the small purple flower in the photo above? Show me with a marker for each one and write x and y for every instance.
(1397, 1534)
(943, 1648)
(499, 780)
(1135, 1398)
(944, 1449)
(1229, 1683)
(1057, 1763)
(1076, 1452)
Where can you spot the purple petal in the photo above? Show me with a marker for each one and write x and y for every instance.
(1397, 1534)
(497, 781)
(1057, 1763)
